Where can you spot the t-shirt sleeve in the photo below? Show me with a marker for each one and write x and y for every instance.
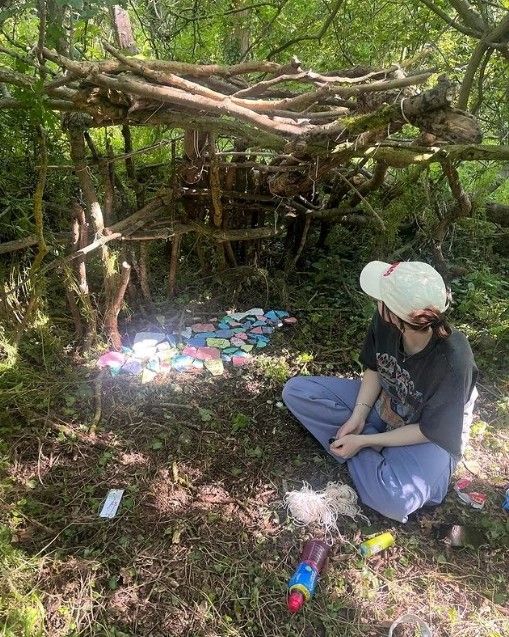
(442, 415)
(368, 352)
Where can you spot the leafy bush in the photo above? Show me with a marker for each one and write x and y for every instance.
(481, 311)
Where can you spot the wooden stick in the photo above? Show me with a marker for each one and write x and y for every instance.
(38, 203)
(88, 310)
(143, 273)
(242, 234)
(42, 248)
(98, 385)
(114, 306)
(162, 233)
(307, 225)
(77, 142)
(18, 244)
(69, 281)
(197, 103)
(215, 183)
(172, 275)
(179, 68)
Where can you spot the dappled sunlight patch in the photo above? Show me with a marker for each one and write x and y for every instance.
(27, 474)
(166, 497)
(211, 494)
(8, 353)
(69, 595)
(133, 459)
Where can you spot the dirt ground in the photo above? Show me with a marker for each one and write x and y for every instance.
(202, 547)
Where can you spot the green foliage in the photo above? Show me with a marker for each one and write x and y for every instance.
(21, 609)
(481, 311)
(241, 421)
(275, 368)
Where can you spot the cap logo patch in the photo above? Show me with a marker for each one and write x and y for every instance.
(391, 268)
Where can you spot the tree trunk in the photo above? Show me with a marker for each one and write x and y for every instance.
(144, 272)
(114, 306)
(88, 312)
(172, 275)
(123, 30)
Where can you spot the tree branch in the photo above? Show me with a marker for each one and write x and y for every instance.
(179, 97)
(18, 244)
(38, 203)
(482, 69)
(470, 17)
(401, 155)
(469, 76)
(179, 68)
(453, 23)
(334, 11)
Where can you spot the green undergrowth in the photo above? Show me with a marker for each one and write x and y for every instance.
(37, 380)
(481, 310)
(21, 607)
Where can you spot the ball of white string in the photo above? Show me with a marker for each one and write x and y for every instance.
(323, 508)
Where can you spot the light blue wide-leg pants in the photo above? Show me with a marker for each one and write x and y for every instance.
(395, 481)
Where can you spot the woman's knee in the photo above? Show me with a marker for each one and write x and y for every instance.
(397, 505)
(378, 489)
(295, 388)
(394, 509)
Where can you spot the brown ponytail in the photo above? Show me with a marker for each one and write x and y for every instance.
(431, 317)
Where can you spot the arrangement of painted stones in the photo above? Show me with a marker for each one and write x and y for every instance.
(234, 338)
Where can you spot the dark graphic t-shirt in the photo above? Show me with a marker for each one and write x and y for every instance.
(430, 388)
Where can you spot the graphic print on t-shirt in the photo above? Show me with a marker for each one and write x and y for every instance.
(399, 400)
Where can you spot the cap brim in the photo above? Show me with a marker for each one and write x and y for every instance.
(370, 278)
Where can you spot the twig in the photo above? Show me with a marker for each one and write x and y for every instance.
(368, 205)
(303, 238)
(98, 385)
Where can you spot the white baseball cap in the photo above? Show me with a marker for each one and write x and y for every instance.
(404, 286)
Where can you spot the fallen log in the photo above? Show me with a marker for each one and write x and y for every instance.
(18, 244)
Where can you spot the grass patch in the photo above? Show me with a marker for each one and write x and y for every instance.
(21, 606)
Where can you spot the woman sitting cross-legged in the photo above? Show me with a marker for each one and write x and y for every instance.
(402, 429)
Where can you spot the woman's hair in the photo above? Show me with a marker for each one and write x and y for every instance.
(431, 317)
(422, 320)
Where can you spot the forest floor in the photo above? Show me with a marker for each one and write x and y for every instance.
(201, 546)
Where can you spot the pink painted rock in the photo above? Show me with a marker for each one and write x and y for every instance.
(202, 353)
(208, 353)
(240, 361)
(237, 342)
(111, 359)
(290, 320)
(203, 327)
(242, 335)
(256, 330)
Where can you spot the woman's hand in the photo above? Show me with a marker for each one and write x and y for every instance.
(354, 425)
(347, 446)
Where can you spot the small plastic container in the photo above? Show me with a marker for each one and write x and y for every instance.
(411, 620)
